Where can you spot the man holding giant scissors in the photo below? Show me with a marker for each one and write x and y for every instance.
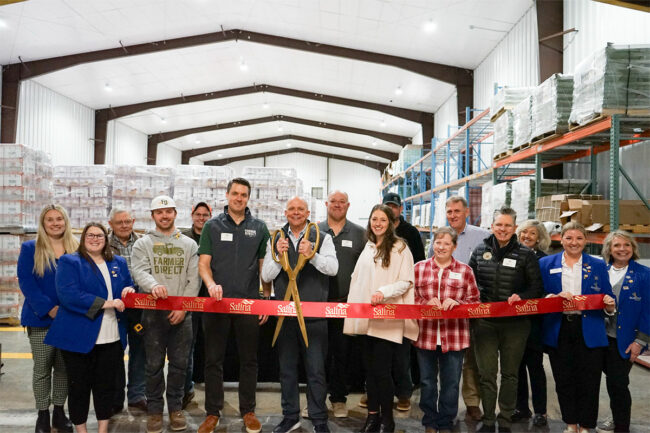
(312, 286)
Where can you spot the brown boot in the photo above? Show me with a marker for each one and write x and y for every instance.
(154, 423)
(210, 423)
(251, 423)
(177, 420)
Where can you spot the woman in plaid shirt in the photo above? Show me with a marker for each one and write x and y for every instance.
(442, 282)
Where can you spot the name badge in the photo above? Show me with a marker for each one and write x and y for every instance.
(227, 237)
(556, 271)
(454, 275)
(346, 243)
(511, 263)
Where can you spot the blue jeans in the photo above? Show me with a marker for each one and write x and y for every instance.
(136, 386)
(440, 409)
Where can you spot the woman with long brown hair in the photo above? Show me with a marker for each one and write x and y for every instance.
(383, 275)
(37, 267)
(89, 328)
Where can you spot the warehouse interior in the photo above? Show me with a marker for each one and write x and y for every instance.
(113, 102)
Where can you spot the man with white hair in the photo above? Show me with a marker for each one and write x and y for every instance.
(121, 240)
(349, 241)
(313, 284)
(165, 263)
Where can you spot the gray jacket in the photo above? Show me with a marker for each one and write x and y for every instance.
(171, 261)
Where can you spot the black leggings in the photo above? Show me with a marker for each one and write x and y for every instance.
(94, 371)
(378, 357)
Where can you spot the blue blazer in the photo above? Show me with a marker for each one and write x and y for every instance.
(82, 291)
(595, 281)
(40, 292)
(633, 307)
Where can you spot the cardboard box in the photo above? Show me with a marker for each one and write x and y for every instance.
(550, 207)
(595, 213)
(633, 212)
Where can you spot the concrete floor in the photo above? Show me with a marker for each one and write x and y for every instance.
(17, 412)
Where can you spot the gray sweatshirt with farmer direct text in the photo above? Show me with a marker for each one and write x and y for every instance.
(171, 261)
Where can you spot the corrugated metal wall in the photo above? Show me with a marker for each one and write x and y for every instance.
(168, 156)
(238, 166)
(363, 194)
(447, 115)
(125, 145)
(55, 124)
(598, 24)
(513, 62)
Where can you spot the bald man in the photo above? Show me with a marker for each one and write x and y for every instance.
(313, 284)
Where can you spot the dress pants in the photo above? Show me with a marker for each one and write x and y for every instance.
(617, 378)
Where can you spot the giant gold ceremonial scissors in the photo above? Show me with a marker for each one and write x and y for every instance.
(292, 287)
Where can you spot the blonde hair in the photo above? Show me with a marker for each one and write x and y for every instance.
(573, 225)
(607, 245)
(543, 239)
(44, 258)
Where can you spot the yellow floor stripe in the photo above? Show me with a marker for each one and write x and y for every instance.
(21, 355)
(11, 329)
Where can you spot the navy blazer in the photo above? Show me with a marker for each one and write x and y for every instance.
(633, 304)
(595, 281)
(40, 292)
(82, 292)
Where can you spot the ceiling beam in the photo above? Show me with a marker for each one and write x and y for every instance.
(372, 164)
(187, 154)
(172, 135)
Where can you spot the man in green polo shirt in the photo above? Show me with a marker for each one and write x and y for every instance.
(231, 253)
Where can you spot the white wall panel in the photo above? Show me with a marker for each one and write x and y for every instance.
(312, 170)
(196, 161)
(598, 24)
(513, 62)
(362, 186)
(238, 166)
(125, 145)
(447, 115)
(168, 155)
(55, 124)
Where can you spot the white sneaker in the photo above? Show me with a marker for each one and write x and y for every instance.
(340, 410)
(606, 426)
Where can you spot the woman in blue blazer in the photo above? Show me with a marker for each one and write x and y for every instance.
(628, 331)
(576, 340)
(89, 328)
(37, 265)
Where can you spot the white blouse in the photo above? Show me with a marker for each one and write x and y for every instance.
(108, 332)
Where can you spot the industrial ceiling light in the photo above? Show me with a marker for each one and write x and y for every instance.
(3, 24)
(429, 26)
(280, 128)
(219, 155)
(243, 66)
(374, 143)
(163, 120)
(398, 91)
(197, 142)
(107, 86)
(288, 144)
(383, 124)
(265, 106)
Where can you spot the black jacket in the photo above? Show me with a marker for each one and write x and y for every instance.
(412, 237)
(501, 272)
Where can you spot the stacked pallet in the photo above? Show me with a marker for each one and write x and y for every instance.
(506, 99)
(522, 124)
(551, 106)
(503, 136)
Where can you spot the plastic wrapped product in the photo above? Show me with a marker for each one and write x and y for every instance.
(503, 135)
(522, 123)
(506, 99)
(551, 106)
(486, 207)
(614, 79)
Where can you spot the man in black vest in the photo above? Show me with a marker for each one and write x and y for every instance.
(313, 284)
(231, 250)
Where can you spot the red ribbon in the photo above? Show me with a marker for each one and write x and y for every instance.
(364, 311)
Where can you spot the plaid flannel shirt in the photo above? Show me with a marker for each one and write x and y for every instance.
(454, 333)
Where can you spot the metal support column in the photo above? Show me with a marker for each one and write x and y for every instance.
(614, 190)
(468, 115)
(594, 171)
(538, 176)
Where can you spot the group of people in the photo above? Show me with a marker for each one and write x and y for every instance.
(78, 326)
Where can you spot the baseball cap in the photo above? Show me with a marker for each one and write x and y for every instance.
(204, 204)
(162, 202)
(392, 197)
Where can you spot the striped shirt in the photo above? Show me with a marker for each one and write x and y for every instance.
(457, 282)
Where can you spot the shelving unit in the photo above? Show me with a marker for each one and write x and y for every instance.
(417, 184)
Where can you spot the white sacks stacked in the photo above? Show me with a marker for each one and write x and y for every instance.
(25, 186)
(507, 98)
(551, 106)
(615, 79)
(522, 123)
(84, 191)
(503, 134)
(197, 183)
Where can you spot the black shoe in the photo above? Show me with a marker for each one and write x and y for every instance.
(519, 415)
(539, 420)
(487, 429)
(372, 423)
(187, 398)
(43, 422)
(60, 421)
(504, 429)
(321, 428)
(287, 425)
(387, 426)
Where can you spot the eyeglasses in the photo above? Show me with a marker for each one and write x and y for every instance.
(94, 236)
(123, 222)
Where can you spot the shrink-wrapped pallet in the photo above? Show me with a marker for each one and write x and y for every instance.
(84, 191)
(522, 123)
(614, 79)
(551, 106)
(486, 204)
(503, 135)
(506, 99)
